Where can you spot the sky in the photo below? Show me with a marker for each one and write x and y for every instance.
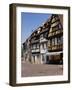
(30, 22)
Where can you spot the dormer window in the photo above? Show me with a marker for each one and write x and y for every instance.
(38, 31)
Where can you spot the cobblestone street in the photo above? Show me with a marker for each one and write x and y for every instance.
(28, 70)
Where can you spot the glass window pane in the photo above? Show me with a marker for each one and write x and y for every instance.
(53, 40)
(59, 40)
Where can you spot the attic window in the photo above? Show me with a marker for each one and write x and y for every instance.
(38, 31)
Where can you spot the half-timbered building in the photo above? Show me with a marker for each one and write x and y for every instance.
(45, 44)
(55, 39)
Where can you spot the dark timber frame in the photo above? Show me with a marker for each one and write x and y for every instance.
(12, 63)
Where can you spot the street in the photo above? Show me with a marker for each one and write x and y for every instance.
(28, 69)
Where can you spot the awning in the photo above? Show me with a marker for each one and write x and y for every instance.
(54, 53)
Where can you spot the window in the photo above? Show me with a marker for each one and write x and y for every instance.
(37, 46)
(34, 46)
(45, 34)
(46, 45)
(43, 45)
(33, 39)
(53, 41)
(49, 43)
(56, 18)
(38, 31)
(40, 46)
(31, 46)
(59, 40)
